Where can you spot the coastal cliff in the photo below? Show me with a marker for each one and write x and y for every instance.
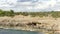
(48, 22)
(19, 22)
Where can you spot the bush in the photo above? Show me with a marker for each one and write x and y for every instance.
(11, 13)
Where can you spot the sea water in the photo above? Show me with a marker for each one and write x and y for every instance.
(9, 31)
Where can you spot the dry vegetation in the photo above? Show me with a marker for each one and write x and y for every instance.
(47, 21)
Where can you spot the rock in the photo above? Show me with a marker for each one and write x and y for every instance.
(32, 22)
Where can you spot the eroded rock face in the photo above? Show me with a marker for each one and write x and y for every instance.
(35, 22)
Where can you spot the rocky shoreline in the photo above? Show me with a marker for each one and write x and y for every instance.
(45, 24)
(26, 29)
(29, 29)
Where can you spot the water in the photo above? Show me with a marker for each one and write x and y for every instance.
(5, 31)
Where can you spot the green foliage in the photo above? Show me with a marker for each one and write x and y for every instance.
(7, 13)
(11, 13)
(24, 13)
(55, 14)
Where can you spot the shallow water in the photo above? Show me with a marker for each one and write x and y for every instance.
(5, 31)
